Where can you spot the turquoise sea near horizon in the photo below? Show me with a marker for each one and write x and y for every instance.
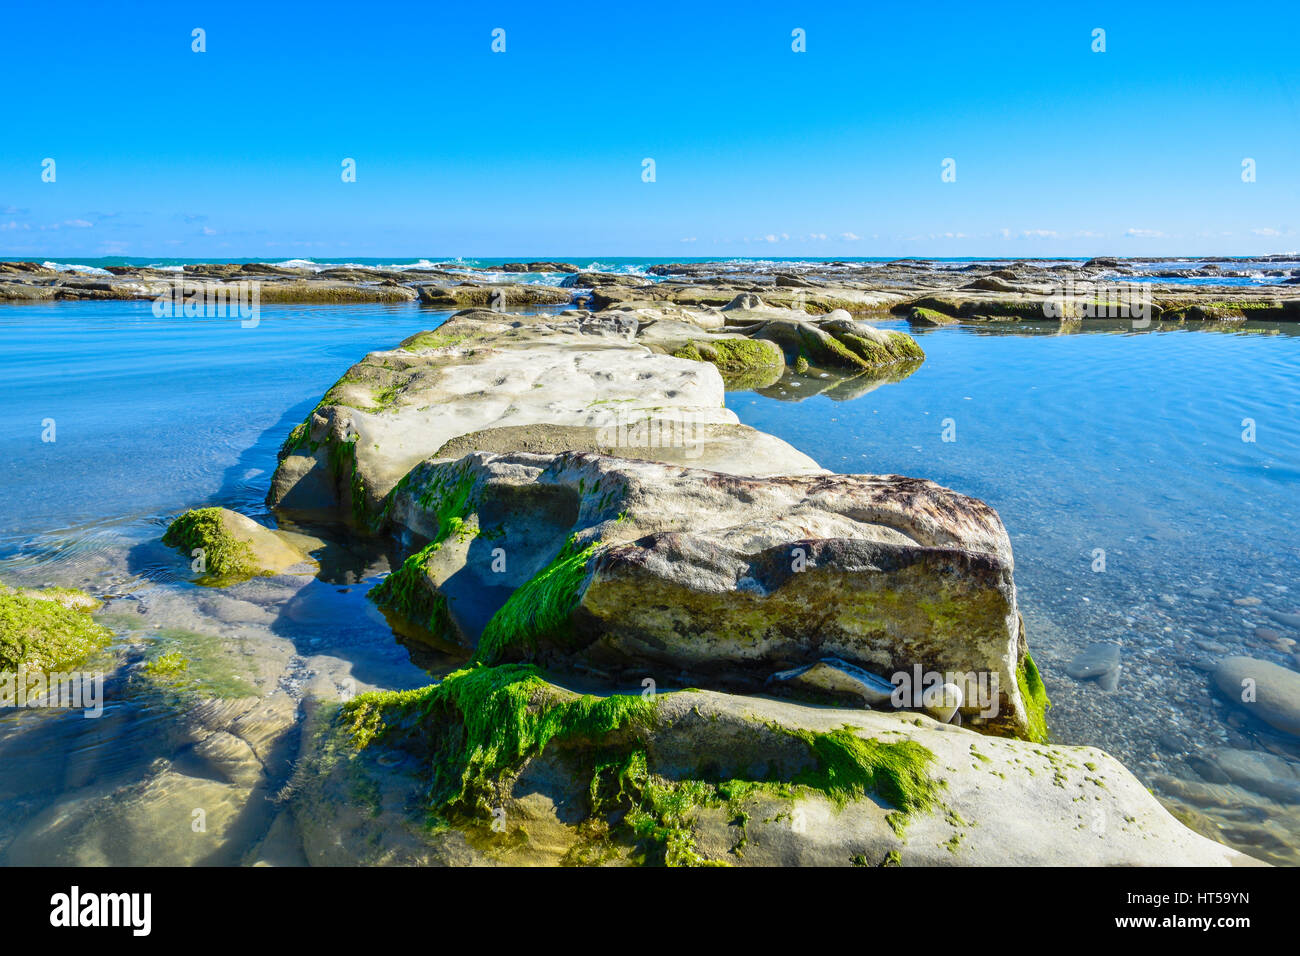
(1126, 442)
(1173, 270)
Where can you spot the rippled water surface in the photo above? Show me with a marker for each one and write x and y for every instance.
(1129, 444)
(1098, 441)
(152, 416)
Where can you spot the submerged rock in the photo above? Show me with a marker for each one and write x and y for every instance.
(1264, 773)
(1269, 691)
(1098, 661)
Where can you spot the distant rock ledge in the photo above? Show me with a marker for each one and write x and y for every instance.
(925, 292)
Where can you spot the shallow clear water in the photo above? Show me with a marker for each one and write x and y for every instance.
(1131, 443)
(151, 417)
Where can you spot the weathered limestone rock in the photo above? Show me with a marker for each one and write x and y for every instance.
(501, 296)
(699, 778)
(640, 568)
(486, 370)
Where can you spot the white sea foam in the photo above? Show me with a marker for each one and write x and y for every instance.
(73, 267)
(298, 264)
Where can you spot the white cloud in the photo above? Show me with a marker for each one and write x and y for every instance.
(78, 223)
(850, 236)
(1038, 234)
(1144, 234)
(1266, 232)
(689, 239)
(816, 235)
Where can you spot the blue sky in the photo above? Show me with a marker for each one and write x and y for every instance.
(761, 151)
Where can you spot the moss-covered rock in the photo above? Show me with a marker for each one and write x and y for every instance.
(839, 342)
(930, 317)
(744, 363)
(512, 768)
(477, 729)
(623, 565)
(411, 592)
(47, 630)
(227, 547)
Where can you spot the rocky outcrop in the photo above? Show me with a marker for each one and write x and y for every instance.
(226, 547)
(499, 296)
(598, 280)
(579, 511)
(536, 774)
(979, 291)
(485, 370)
(539, 267)
(638, 568)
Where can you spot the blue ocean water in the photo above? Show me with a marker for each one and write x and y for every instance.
(154, 414)
(1251, 273)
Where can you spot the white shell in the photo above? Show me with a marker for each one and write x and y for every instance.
(942, 702)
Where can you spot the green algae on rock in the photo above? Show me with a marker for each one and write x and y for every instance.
(744, 363)
(47, 630)
(1034, 695)
(481, 722)
(538, 608)
(480, 726)
(514, 769)
(409, 592)
(228, 547)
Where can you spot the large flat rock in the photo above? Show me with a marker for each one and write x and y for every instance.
(485, 370)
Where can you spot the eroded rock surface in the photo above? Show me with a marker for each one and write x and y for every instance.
(706, 778)
(485, 370)
(640, 567)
